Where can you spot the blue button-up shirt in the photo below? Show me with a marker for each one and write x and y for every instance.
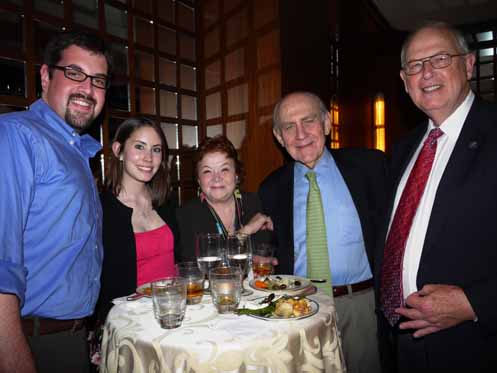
(347, 254)
(50, 215)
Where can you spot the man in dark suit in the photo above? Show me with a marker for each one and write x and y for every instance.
(351, 189)
(447, 278)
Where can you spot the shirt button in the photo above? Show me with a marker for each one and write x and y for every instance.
(71, 142)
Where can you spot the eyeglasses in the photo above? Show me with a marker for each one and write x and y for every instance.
(438, 61)
(101, 82)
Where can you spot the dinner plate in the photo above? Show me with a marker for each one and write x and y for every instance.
(145, 289)
(291, 279)
(314, 309)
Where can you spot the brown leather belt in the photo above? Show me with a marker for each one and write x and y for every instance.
(338, 291)
(36, 326)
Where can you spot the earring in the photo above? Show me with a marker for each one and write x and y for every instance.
(121, 158)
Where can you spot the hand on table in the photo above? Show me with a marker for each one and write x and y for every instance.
(434, 308)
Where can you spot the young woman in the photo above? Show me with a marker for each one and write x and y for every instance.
(138, 215)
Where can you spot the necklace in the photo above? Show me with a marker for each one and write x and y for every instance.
(221, 228)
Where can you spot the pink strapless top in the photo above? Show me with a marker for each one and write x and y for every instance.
(154, 254)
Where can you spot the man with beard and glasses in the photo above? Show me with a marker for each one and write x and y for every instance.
(50, 216)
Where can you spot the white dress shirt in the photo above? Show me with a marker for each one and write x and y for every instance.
(451, 128)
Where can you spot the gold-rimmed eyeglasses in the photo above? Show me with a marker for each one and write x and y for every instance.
(71, 73)
(437, 61)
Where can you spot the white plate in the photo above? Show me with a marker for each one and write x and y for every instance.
(303, 284)
(145, 289)
(314, 310)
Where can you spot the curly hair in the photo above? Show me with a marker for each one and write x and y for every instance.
(219, 144)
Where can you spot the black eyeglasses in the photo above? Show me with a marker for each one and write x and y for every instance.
(438, 61)
(101, 82)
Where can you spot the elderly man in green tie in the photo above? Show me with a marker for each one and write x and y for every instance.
(325, 207)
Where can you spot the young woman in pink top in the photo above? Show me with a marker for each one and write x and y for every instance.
(138, 213)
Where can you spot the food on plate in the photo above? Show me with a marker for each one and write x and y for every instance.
(145, 290)
(277, 283)
(292, 307)
(284, 307)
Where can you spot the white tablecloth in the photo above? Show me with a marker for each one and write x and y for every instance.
(207, 342)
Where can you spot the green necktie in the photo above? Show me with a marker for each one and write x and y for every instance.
(318, 264)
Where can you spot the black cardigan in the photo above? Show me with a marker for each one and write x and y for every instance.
(195, 217)
(119, 265)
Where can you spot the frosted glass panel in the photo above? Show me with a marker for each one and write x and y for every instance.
(116, 21)
(171, 132)
(145, 100)
(189, 107)
(235, 64)
(213, 106)
(167, 72)
(168, 104)
(238, 99)
(213, 75)
(190, 136)
(215, 130)
(144, 66)
(144, 32)
(188, 77)
(235, 132)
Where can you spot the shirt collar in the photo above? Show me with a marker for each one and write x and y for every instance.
(452, 126)
(87, 144)
(323, 163)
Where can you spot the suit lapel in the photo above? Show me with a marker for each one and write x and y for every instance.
(459, 165)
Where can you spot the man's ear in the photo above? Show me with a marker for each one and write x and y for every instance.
(277, 134)
(404, 79)
(45, 77)
(326, 125)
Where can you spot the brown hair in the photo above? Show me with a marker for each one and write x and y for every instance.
(159, 185)
(218, 144)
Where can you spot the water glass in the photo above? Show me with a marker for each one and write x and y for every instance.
(194, 281)
(262, 260)
(209, 250)
(238, 253)
(169, 301)
(226, 289)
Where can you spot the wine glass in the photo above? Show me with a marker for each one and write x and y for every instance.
(238, 254)
(210, 253)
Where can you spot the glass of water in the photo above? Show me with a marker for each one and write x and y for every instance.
(210, 254)
(238, 253)
(169, 301)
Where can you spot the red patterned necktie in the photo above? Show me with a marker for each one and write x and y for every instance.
(391, 295)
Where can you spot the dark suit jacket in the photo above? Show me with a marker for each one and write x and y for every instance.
(460, 247)
(364, 173)
(195, 217)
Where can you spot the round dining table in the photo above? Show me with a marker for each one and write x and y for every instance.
(133, 341)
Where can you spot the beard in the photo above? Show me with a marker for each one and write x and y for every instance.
(80, 121)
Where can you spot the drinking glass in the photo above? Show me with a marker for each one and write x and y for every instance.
(238, 253)
(210, 253)
(262, 260)
(226, 289)
(194, 281)
(169, 301)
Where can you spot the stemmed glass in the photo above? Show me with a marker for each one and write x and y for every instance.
(238, 254)
(210, 252)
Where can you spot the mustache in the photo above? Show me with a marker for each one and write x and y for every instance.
(83, 97)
